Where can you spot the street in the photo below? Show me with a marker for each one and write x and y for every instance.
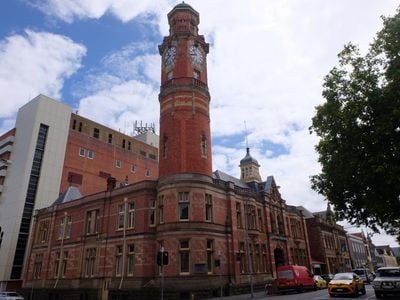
(313, 295)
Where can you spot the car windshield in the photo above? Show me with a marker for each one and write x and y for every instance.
(388, 273)
(343, 276)
(285, 274)
(359, 272)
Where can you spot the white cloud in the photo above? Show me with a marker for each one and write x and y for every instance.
(123, 89)
(125, 10)
(34, 63)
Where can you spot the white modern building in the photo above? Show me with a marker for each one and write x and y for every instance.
(32, 157)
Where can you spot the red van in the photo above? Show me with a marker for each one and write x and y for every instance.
(294, 278)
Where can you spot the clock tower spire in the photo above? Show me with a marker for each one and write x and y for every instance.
(185, 139)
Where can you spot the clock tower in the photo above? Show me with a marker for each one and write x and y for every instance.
(185, 140)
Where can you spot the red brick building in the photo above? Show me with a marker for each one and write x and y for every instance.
(219, 231)
(328, 242)
(95, 152)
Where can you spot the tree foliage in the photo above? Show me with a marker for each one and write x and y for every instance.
(359, 130)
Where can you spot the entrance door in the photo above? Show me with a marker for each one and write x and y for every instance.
(279, 257)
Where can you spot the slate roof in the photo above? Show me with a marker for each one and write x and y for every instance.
(228, 178)
(72, 193)
(248, 158)
(306, 213)
(255, 186)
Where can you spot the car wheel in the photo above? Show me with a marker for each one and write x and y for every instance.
(363, 291)
(378, 295)
(356, 292)
(300, 289)
(331, 295)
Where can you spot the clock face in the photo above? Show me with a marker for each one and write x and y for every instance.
(196, 55)
(169, 56)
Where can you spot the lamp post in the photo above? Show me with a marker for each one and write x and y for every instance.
(162, 272)
(248, 249)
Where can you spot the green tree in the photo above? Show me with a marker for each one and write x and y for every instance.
(359, 130)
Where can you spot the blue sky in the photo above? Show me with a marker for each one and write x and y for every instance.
(266, 66)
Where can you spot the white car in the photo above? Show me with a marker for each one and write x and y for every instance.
(10, 296)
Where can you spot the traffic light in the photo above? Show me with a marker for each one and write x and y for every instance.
(165, 258)
(162, 258)
(159, 262)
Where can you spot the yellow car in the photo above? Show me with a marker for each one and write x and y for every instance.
(320, 283)
(346, 284)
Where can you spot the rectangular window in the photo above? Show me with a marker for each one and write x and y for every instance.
(129, 145)
(258, 258)
(82, 152)
(152, 212)
(133, 168)
(118, 260)
(73, 124)
(43, 233)
(183, 199)
(239, 215)
(90, 154)
(56, 264)
(121, 216)
(92, 221)
(209, 206)
(152, 156)
(242, 258)
(64, 264)
(64, 231)
(161, 208)
(80, 127)
(148, 173)
(117, 163)
(90, 260)
(131, 260)
(210, 255)
(96, 133)
(131, 215)
(123, 143)
(37, 266)
(260, 221)
(143, 153)
(184, 253)
(110, 138)
(264, 258)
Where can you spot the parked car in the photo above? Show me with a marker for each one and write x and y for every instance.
(364, 274)
(10, 296)
(327, 277)
(346, 284)
(320, 283)
(294, 278)
(387, 281)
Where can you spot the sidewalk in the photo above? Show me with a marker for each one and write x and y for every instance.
(257, 295)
